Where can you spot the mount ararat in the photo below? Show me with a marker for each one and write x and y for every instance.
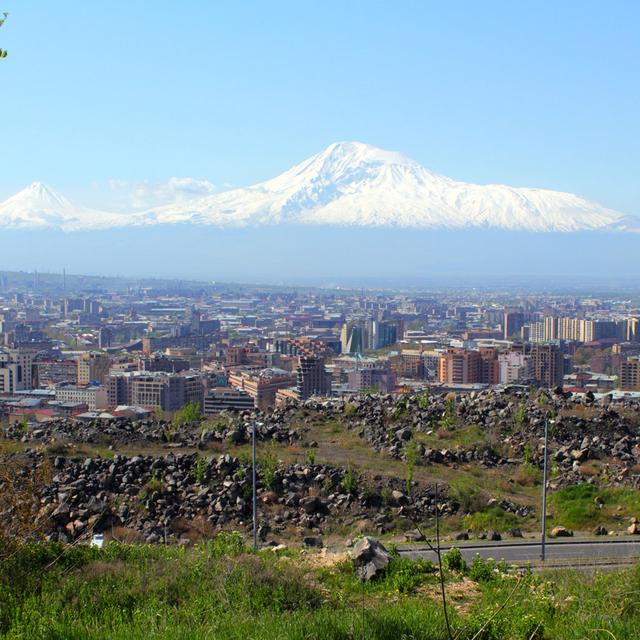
(348, 184)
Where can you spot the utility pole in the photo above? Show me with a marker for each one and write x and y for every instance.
(544, 488)
(255, 489)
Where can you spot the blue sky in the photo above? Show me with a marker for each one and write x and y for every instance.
(526, 93)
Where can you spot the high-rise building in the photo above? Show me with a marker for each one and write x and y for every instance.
(547, 364)
(352, 338)
(17, 370)
(515, 367)
(464, 366)
(512, 323)
(382, 334)
(312, 377)
(629, 373)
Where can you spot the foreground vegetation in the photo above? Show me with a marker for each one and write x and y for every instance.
(222, 590)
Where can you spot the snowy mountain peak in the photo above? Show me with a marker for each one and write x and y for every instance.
(38, 206)
(346, 184)
(356, 184)
(39, 194)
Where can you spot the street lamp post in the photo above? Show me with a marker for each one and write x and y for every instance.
(544, 489)
(255, 490)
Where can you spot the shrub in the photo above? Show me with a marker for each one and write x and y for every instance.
(311, 456)
(154, 485)
(467, 493)
(423, 400)
(527, 454)
(527, 475)
(492, 517)
(488, 570)
(405, 575)
(449, 419)
(269, 466)
(189, 413)
(350, 479)
(350, 410)
(452, 560)
(200, 469)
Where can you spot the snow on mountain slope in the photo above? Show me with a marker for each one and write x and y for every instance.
(351, 183)
(39, 207)
(347, 184)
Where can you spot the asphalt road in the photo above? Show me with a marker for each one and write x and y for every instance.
(558, 552)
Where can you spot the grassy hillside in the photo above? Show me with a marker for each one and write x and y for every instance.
(221, 590)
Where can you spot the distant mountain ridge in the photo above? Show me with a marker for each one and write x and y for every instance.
(348, 184)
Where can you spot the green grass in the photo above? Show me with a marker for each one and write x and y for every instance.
(492, 518)
(220, 590)
(465, 436)
(585, 505)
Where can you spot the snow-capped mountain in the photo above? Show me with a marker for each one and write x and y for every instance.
(355, 184)
(40, 207)
(347, 184)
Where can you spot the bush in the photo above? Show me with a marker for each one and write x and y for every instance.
(189, 413)
(526, 475)
(350, 480)
(200, 470)
(486, 570)
(405, 575)
(423, 400)
(269, 466)
(467, 493)
(452, 560)
(350, 410)
(493, 517)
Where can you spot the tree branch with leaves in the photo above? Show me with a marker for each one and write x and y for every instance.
(3, 19)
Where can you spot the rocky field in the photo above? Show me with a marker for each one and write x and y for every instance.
(330, 470)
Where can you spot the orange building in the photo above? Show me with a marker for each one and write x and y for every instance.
(463, 366)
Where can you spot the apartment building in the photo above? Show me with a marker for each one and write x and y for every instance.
(312, 378)
(465, 366)
(155, 389)
(547, 364)
(17, 370)
(629, 373)
(89, 395)
(226, 399)
(262, 384)
(93, 366)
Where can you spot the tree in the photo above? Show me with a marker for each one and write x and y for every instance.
(189, 413)
(3, 19)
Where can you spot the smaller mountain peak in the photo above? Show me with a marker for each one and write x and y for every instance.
(40, 189)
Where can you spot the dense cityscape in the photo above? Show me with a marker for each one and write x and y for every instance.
(319, 320)
(93, 352)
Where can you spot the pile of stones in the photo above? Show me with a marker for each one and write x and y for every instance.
(166, 498)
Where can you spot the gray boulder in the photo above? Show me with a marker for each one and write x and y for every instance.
(369, 557)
